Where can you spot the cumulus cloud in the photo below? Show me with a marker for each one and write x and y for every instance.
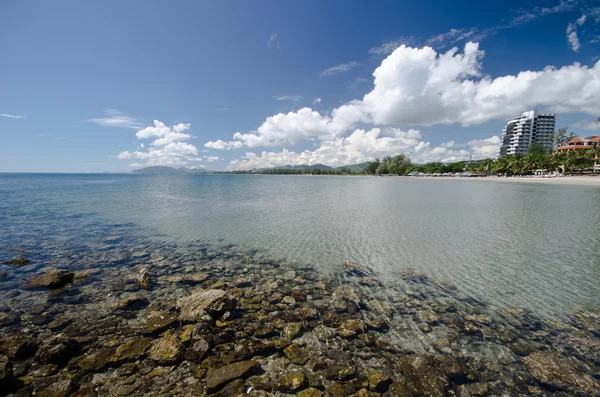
(175, 153)
(11, 116)
(164, 134)
(419, 86)
(167, 147)
(363, 146)
(116, 118)
(341, 68)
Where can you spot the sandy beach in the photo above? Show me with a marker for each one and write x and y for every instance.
(593, 181)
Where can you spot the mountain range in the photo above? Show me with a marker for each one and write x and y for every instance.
(183, 170)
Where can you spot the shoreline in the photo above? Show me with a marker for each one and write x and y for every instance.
(592, 181)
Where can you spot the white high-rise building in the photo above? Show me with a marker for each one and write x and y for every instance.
(526, 129)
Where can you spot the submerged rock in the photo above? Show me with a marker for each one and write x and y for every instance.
(166, 351)
(351, 328)
(51, 279)
(213, 302)
(291, 381)
(219, 376)
(558, 372)
(296, 354)
(17, 261)
(356, 269)
(143, 278)
(6, 372)
(156, 322)
(131, 349)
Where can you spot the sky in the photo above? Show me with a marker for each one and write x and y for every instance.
(111, 86)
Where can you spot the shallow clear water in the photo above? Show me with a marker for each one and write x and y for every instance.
(525, 245)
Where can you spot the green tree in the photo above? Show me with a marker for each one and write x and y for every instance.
(537, 148)
(371, 167)
(399, 164)
(562, 136)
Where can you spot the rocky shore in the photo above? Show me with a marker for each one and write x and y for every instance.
(223, 323)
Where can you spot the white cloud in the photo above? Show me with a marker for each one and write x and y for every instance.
(273, 40)
(572, 33)
(419, 86)
(210, 159)
(11, 116)
(317, 100)
(175, 153)
(451, 37)
(588, 125)
(293, 98)
(341, 68)
(167, 148)
(164, 133)
(387, 47)
(363, 146)
(116, 118)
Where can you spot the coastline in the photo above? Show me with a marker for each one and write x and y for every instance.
(592, 181)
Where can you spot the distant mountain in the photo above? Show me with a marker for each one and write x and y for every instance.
(354, 168)
(169, 170)
(304, 167)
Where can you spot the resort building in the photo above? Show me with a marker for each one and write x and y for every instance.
(587, 143)
(526, 129)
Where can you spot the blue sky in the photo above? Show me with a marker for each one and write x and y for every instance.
(81, 81)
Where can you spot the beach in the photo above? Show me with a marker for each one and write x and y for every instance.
(593, 181)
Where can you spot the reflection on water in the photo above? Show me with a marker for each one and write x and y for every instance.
(521, 245)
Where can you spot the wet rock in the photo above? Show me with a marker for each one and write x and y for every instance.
(356, 269)
(308, 313)
(424, 377)
(558, 372)
(428, 316)
(131, 349)
(156, 322)
(59, 349)
(264, 332)
(213, 302)
(96, 360)
(398, 390)
(291, 382)
(197, 350)
(310, 392)
(296, 354)
(299, 296)
(166, 351)
(233, 388)
(219, 376)
(291, 330)
(17, 261)
(52, 279)
(323, 332)
(378, 381)
(60, 323)
(6, 372)
(335, 390)
(339, 372)
(3, 276)
(18, 346)
(55, 386)
(351, 328)
(143, 278)
(130, 303)
(7, 319)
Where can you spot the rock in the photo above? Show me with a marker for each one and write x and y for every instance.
(339, 372)
(6, 372)
(264, 332)
(55, 386)
(377, 381)
(428, 317)
(59, 349)
(17, 261)
(291, 330)
(296, 354)
(166, 351)
(299, 296)
(424, 377)
(213, 302)
(7, 319)
(310, 392)
(350, 328)
(335, 390)
(143, 278)
(131, 349)
(355, 269)
(292, 381)
(52, 279)
(308, 313)
(233, 388)
(556, 371)
(130, 303)
(3, 276)
(219, 376)
(398, 390)
(18, 346)
(197, 350)
(156, 322)
(96, 360)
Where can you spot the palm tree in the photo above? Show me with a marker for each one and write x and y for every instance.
(501, 166)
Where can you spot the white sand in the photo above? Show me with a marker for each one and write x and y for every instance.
(566, 180)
